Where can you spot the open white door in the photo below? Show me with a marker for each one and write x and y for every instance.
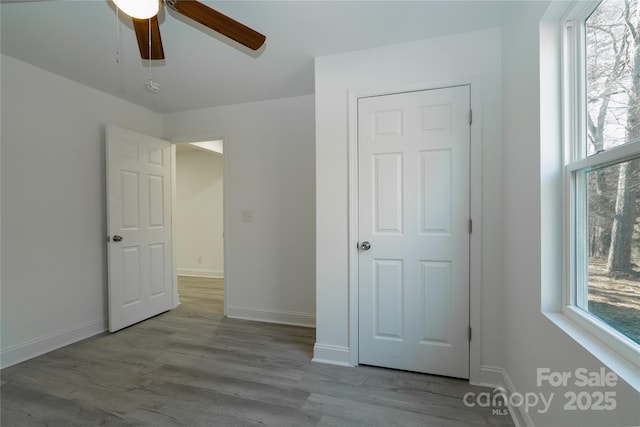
(139, 227)
(414, 231)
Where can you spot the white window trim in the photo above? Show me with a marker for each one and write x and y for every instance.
(611, 347)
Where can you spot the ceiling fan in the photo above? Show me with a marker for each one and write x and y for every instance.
(145, 23)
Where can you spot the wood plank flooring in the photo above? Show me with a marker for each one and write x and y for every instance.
(193, 367)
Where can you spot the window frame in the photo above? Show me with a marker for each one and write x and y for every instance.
(576, 164)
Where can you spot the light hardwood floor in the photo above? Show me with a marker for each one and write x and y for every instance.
(193, 367)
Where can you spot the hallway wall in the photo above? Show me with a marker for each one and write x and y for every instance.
(199, 224)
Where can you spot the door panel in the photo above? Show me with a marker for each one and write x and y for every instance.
(435, 286)
(413, 177)
(435, 191)
(387, 192)
(139, 212)
(389, 291)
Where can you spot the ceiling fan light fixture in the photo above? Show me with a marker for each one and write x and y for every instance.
(140, 9)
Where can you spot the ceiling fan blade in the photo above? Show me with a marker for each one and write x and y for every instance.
(142, 34)
(218, 22)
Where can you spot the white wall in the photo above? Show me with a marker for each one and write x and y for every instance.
(531, 340)
(414, 65)
(54, 285)
(199, 249)
(269, 170)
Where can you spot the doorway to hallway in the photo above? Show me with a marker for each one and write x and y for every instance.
(199, 219)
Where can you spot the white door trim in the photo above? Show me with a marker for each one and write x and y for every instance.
(475, 249)
(174, 266)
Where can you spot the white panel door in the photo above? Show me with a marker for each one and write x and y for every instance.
(139, 227)
(413, 172)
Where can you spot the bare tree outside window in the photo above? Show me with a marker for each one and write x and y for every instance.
(613, 191)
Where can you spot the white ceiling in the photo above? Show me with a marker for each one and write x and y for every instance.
(79, 40)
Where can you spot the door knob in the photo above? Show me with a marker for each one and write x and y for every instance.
(365, 246)
(117, 238)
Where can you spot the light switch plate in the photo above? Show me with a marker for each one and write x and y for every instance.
(247, 216)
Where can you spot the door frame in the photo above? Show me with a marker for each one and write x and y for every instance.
(475, 206)
(186, 140)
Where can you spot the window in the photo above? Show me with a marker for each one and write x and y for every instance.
(602, 122)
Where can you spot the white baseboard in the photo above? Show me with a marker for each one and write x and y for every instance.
(520, 417)
(200, 272)
(272, 316)
(36, 347)
(492, 376)
(331, 354)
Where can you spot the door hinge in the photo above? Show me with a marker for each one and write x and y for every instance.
(470, 116)
(469, 333)
(470, 226)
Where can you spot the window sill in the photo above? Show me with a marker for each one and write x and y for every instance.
(614, 360)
